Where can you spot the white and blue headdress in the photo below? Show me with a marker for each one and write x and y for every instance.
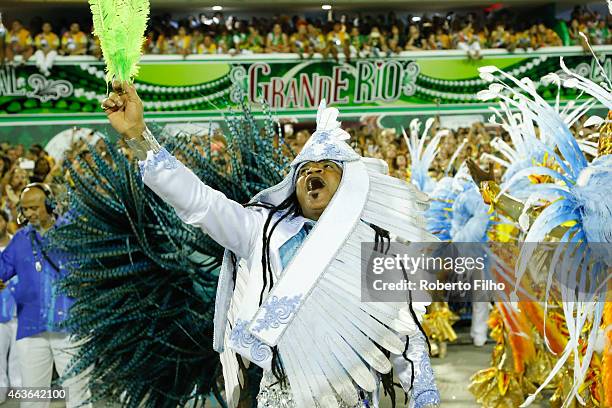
(328, 142)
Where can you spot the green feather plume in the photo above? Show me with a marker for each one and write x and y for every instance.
(120, 26)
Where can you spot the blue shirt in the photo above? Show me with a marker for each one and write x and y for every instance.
(40, 308)
(7, 301)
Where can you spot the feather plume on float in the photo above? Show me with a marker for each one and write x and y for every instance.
(421, 157)
(120, 26)
(578, 202)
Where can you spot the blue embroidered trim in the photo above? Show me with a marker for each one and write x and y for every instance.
(322, 146)
(425, 391)
(428, 399)
(277, 312)
(241, 337)
(162, 157)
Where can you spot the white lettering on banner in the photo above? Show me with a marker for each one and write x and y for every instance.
(381, 80)
(10, 85)
(38, 86)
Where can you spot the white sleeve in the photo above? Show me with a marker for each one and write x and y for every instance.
(225, 221)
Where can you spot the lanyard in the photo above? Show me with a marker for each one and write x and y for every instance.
(38, 246)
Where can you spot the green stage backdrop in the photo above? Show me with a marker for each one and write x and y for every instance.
(202, 88)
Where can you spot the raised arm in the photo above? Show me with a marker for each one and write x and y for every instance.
(227, 222)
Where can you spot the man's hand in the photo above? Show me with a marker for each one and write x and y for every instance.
(125, 111)
(478, 174)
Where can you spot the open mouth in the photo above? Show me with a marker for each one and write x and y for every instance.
(314, 185)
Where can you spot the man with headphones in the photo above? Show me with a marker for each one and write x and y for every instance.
(41, 341)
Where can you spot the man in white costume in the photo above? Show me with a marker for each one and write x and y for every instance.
(288, 296)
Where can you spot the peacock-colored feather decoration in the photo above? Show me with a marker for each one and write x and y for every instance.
(120, 25)
(144, 282)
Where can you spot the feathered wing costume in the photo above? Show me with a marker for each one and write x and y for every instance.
(144, 281)
(309, 313)
(577, 209)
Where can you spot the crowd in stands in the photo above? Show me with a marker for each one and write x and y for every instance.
(389, 145)
(20, 166)
(358, 36)
(455, 146)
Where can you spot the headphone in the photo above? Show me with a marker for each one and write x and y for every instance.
(50, 204)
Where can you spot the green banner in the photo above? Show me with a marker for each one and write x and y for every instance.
(197, 88)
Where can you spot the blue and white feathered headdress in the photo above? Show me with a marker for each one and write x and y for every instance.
(328, 142)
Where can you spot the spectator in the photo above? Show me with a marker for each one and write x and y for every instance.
(95, 48)
(401, 166)
(317, 41)
(196, 39)
(499, 38)
(5, 165)
(239, 37)
(395, 40)
(599, 33)
(19, 42)
(47, 44)
(34, 152)
(469, 42)
(17, 180)
(20, 150)
(182, 42)
(299, 41)
(254, 42)
(413, 42)
(442, 39)
(163, 43)
(376, 43)
(74, 41)
(207, 46)
(338, 41)
(576, 27)
(225, 42)
(2, 40)
(277, 40)
(547, 37)
(150, 43)
(12, 154)
(356, 42)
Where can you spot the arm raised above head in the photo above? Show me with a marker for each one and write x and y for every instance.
(226, 221)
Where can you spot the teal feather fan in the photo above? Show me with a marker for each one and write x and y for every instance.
(143, 281)
(120, 26)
